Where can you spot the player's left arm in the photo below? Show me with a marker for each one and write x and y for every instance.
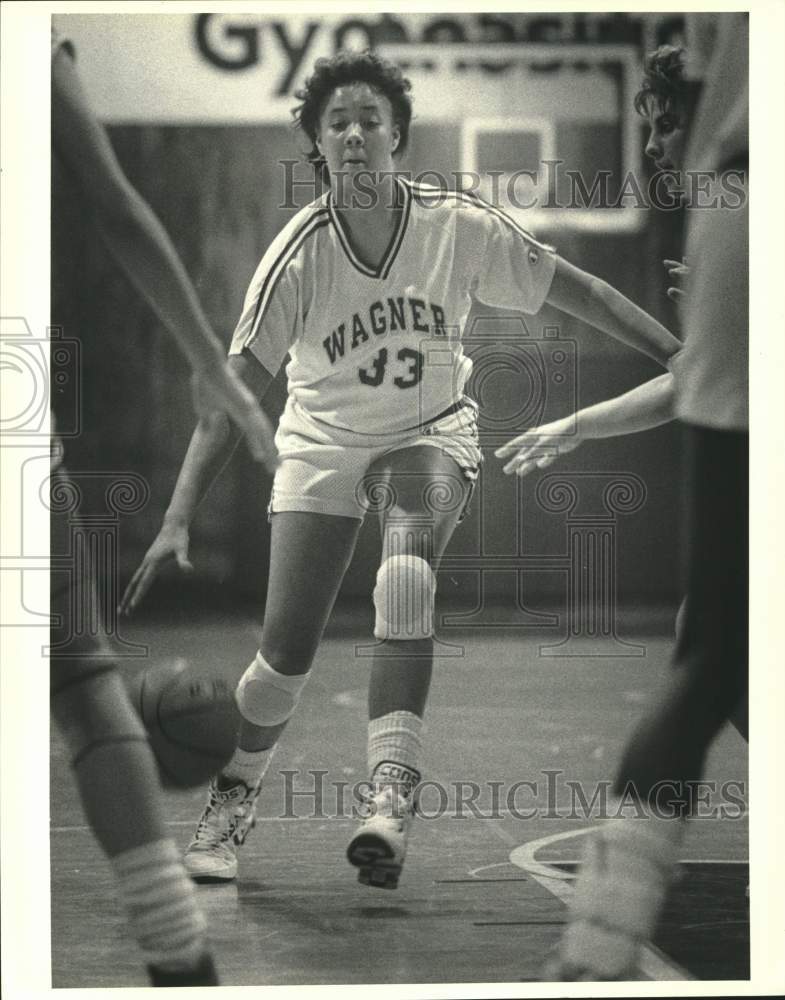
(142, 248)
(596, 302)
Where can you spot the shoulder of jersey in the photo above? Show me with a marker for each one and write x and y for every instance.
(300, 229)
(471, 206)
(430, 196)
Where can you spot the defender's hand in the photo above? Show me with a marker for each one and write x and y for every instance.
(677, 270)
(539, 447)
(170, 544)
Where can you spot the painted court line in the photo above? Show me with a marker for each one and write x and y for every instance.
(653, 963)
(682, 861)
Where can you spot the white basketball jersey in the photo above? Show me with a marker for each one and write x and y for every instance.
(378, 349)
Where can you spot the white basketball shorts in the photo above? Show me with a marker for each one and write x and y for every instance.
(328, 470)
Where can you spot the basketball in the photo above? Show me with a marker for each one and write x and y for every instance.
(191, 718)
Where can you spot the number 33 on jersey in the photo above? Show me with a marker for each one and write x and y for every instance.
(379, 350)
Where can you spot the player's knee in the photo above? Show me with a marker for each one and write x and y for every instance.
(92, 707)
(404, 598)
(266, 697)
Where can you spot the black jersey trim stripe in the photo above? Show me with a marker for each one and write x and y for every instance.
(369, 272)
(393, 247)
(429, 191)
(317, 221)
(475, 199)
(422, 191)
(284, 256)
(386, 265)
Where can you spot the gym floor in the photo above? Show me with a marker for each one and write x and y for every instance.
(482, 896)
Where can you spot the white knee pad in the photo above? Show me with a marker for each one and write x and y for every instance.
(265, 697)
(404, 598)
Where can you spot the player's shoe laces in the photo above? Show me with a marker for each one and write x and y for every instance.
(378, 848)
(228, 817)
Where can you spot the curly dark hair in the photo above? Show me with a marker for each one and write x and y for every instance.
(344, 68)
(663, 80)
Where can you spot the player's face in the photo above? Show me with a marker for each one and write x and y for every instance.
(667, 137)
(357, 132)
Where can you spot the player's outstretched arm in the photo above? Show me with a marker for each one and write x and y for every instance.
(141, 246)
(212, 445)
(596, 302)
(648, 405)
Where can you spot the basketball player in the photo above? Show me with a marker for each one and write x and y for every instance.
(666, 99)
(113, 764)
(626, 873)
(367, 289)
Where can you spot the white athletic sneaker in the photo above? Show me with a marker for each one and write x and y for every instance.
(378, 848)
(228, 817)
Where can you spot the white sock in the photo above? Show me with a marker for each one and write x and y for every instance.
(161, 904)
(620, 891)
(394, 746)
(249, 766)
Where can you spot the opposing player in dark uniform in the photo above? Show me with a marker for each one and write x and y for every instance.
(368, 290)
(624, 880)
(111, 758)
(666, 99)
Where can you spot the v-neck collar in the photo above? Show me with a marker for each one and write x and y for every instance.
(389, 255)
